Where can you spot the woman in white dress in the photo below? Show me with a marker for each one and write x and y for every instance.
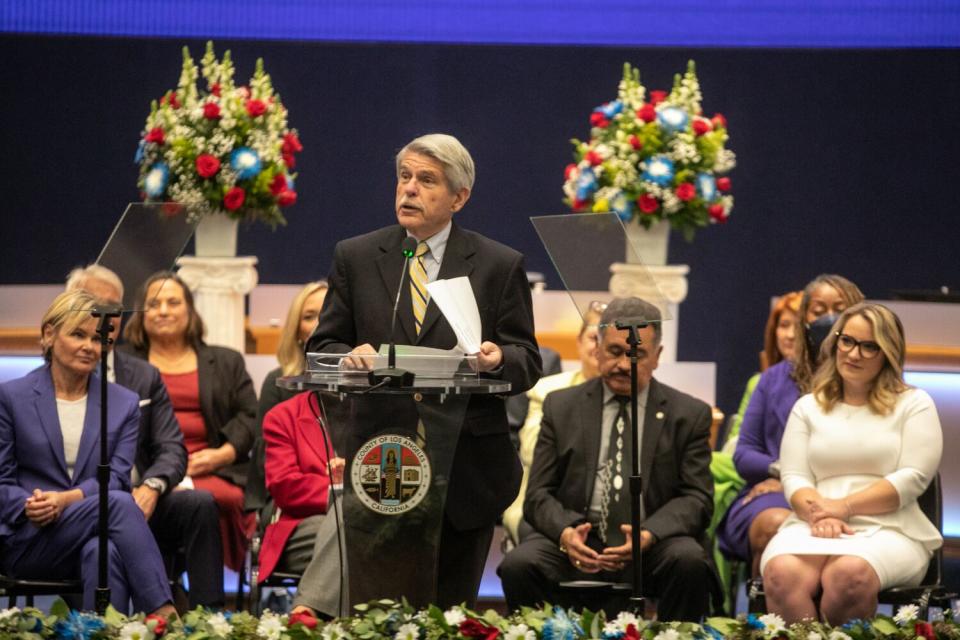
(856, 454)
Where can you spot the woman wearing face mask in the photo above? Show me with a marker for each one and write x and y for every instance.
(760, 508)
(857, 453)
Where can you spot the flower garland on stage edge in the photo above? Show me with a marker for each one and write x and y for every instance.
(389, 620)
(654, 158)
(222, 149)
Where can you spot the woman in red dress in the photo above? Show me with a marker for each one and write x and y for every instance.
(212, 396)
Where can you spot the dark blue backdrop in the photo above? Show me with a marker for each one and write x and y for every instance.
(848, 160)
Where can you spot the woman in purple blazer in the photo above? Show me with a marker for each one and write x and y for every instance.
(760, 508)
(49, 452)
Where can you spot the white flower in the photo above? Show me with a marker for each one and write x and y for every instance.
(520, 632)
(334, 632)
(813, 635)
(219, 625)
(271, 626)
(454, 617)
(906, 614)
(839, 635)
(667, 634)
(134, 631)
(408, 631)
(625, 618)
(772, 623)
(9, 613)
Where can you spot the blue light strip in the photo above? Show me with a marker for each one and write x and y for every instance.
(783, 23)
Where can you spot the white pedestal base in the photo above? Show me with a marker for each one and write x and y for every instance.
(671, 288)
(219, 286)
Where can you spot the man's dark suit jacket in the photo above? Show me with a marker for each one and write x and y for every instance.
(160, 450)
(228, 404)
(674, 461)
(358, 307)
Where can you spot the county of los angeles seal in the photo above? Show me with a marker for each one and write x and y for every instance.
(390, 474)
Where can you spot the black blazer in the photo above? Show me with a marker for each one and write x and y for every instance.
(674, 461)
(160, 450)
(228, 404)
(363, 285)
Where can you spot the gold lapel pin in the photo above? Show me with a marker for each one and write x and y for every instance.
(659, 415)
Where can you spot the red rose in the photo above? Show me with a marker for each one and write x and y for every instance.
(647, 203)
(161, 624)
(647, 113)
(471, 628)
(686, 191)
(171, 209)
(569, 170)
(631, 632)
(278, 184)
(656, 97)
(290, 160)
(723, 184)
(597, 119)
(211, 111)
(171, 97)
(635, 142)
(717, 213)
(215, 89)
(155, 135)
(287, 198)
(719, 121)
(925, 630)
(234, 198)
(256, 108)
(291, 144)
(701, 126)
(578, 204)
(304, 618)
(593, 158)
(207, 165)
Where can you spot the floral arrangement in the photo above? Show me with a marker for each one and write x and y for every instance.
(220, 149)
(389, 620)
(654, 158)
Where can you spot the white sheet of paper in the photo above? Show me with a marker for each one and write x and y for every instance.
(459, 306)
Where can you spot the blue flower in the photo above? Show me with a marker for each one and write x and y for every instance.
(622, 206)
(854, 623)
(586, 184)
(713, 632)
(155, 182)
(753, 622)
(610, 109)
(561, 627)
(138, 156)
(659, 170)
(290, 184)
(672, 119)
(706, 186)
(612, 635)
(78, 626)
(245, 162)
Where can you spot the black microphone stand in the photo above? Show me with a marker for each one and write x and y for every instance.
(105, 313)
(391, 376)
(632, 326)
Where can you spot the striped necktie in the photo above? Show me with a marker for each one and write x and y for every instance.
(418, 285)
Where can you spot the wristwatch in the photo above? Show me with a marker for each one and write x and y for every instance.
(156, 484)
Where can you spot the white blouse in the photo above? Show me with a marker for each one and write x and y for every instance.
(72, 413)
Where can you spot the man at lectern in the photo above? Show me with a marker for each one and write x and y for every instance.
(435, 175)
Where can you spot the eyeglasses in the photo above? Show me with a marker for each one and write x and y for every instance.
(868, 348)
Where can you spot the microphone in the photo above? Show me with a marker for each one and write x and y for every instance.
(391, 376)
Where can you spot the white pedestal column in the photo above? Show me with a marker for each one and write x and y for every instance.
(219, 286)
(670, 287)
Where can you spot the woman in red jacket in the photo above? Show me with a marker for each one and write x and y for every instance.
(301, 473)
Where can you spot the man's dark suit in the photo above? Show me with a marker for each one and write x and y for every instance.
(677, 497)
(357, 310)
(183, 521)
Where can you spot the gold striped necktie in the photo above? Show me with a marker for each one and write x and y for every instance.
(418, 285)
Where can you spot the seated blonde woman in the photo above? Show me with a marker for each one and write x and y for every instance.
(856, 454)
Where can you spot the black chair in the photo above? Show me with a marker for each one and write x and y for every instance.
(930, 591)
(14, 588)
